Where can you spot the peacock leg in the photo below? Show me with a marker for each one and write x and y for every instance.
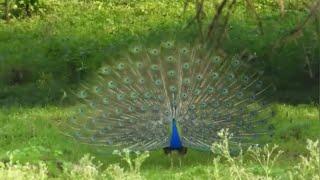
(171, 161)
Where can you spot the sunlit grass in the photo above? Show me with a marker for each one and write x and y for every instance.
(32, 135)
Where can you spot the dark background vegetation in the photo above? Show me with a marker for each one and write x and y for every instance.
(48, 47)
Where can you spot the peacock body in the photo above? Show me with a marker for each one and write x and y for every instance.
(173, 96)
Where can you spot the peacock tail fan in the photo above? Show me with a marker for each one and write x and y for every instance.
(149, 94)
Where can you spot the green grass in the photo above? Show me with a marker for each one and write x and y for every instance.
(33, 135)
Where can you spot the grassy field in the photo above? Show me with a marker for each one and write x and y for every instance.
(31, 135)
(64, 42)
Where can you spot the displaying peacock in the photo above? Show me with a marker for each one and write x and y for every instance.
(172, 96)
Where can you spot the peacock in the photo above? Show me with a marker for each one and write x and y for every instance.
(172, 96)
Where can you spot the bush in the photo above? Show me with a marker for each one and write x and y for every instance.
(16, 171)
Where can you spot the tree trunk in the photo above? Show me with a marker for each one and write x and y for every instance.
(6, 10)
(28, 10)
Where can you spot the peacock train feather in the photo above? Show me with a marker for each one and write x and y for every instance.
(173, 96)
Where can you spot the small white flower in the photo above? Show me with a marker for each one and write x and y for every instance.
(126, 151)
(116, 152)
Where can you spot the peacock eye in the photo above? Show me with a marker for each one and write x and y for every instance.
(203, 105)
(154, 67)
(82, 94)
(127, 80)
(192, 107)
(215, 75)
(228, 104)
(245, 79)
(170, 59)
(144, 108)
(136, 49)
(216, 59)
(120, 97)
(225, 91)
(92, 104)
(120, 66)
(210, 89)
(105, 101)
(133, 95)
(105, 70)
(186, 81)
(73, 119)
(147, 95)
(184, 50)
(235, 62)
(154, 51)
(184, 95)
(158, 82)
(240, 94)
(139, 65)
(173, 88)
(197, 91)
(111, 85)
(174, 103)
(168, 44)
(216, 104)
(186, 66)
(118, 111)
(161, 98)
(131, 109)
(231, 76)
(171, 73)
(81, 110)
(141, 81)
(199, 77)
(96, 89)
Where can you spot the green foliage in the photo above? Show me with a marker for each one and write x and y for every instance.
(15, 170)
(20, 9)
(309, 166)
(42, 56)
(294, 124)
(69, 43)
(84, 169)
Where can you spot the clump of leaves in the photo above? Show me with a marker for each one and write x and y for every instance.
(309, 167)
(266, 157)
(236, 167)
(116, 172)
(85, 169)
(16, 171)
(21, 8)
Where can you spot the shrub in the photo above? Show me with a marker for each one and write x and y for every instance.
(16, 171)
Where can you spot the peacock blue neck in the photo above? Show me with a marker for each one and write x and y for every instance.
(175, 142)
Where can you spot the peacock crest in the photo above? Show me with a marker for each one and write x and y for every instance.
(171, 95)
